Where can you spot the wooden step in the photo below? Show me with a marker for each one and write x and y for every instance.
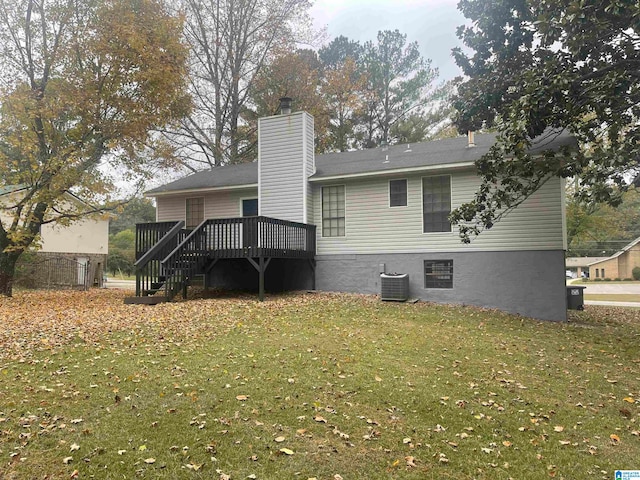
(152, 300)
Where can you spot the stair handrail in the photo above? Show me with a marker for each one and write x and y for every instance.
(150, 254)
(186, 240)
(170, 283)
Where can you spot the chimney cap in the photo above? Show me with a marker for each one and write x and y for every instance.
(285, 105)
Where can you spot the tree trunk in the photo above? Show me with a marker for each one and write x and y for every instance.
(7, 272)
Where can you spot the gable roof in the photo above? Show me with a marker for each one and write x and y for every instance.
(445, 153)
(618, 253)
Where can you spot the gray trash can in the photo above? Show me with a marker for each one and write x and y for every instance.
(575, 297)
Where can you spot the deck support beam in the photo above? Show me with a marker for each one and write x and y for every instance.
(261, 266)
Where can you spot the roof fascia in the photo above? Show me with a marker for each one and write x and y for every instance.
(427, 168)
(201, 190)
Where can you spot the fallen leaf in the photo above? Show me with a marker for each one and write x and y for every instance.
(378, 379)
(74, 447)
(507, 443)
(629, 400)
(150, 460)
(67, 460)
(558, 428)
(411, 461)
(242, 398)
(319, 419)
(615, 439)
(406, 440)
(279, 439)
(286, 451)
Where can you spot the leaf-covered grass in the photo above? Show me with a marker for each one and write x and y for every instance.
(312, 385)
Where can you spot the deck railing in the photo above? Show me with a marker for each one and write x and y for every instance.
(258, 237)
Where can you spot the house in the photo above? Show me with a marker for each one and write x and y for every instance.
(336, 222)
(579, 266)
(72, 255)
(619, 265)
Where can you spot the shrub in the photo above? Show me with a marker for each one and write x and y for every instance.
(617, 279)
(606, 279)
(628, 279)
(636, 273)
(597, 279)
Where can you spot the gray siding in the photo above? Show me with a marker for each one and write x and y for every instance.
(529, 283)
(282, 155)
(374, 227)
(220, 204)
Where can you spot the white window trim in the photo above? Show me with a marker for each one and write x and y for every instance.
(389, 193)
(241, 199)
(422, 202)
(345, 211)
(204, 208)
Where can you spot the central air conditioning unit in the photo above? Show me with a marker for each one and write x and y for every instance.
(394, 287)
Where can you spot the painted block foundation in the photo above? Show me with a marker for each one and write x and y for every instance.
(529, 283)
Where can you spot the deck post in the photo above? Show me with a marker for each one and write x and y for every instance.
(261, 265)
(261, 287)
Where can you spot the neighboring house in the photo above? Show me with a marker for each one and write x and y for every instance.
(619, 265)
(345, 218)
(580, 265)
(73, 255)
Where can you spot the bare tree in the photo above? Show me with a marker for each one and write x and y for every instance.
(231, 41)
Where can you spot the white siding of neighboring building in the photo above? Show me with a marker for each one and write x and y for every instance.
(219, 204)
(374, 227)
(88, 235)
(283, 157)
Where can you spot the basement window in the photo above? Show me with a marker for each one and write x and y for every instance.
(438, 274)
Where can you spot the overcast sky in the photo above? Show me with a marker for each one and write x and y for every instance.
(432, 23)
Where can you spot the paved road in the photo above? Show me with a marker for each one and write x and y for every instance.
(122, 284)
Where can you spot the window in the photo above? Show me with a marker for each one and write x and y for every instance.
(333, 211)
(438, 274)
(398, 193)
(195, 212)
(597, 273)
(249, 207)
(436, 204)
(602, 273)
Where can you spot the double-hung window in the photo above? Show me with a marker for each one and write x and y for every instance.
(333, 211)
(436, 204)
(398, 193)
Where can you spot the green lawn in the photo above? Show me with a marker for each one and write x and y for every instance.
(615, 297)
(312, 386)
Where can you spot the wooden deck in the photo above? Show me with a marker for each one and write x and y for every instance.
(168, 256)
